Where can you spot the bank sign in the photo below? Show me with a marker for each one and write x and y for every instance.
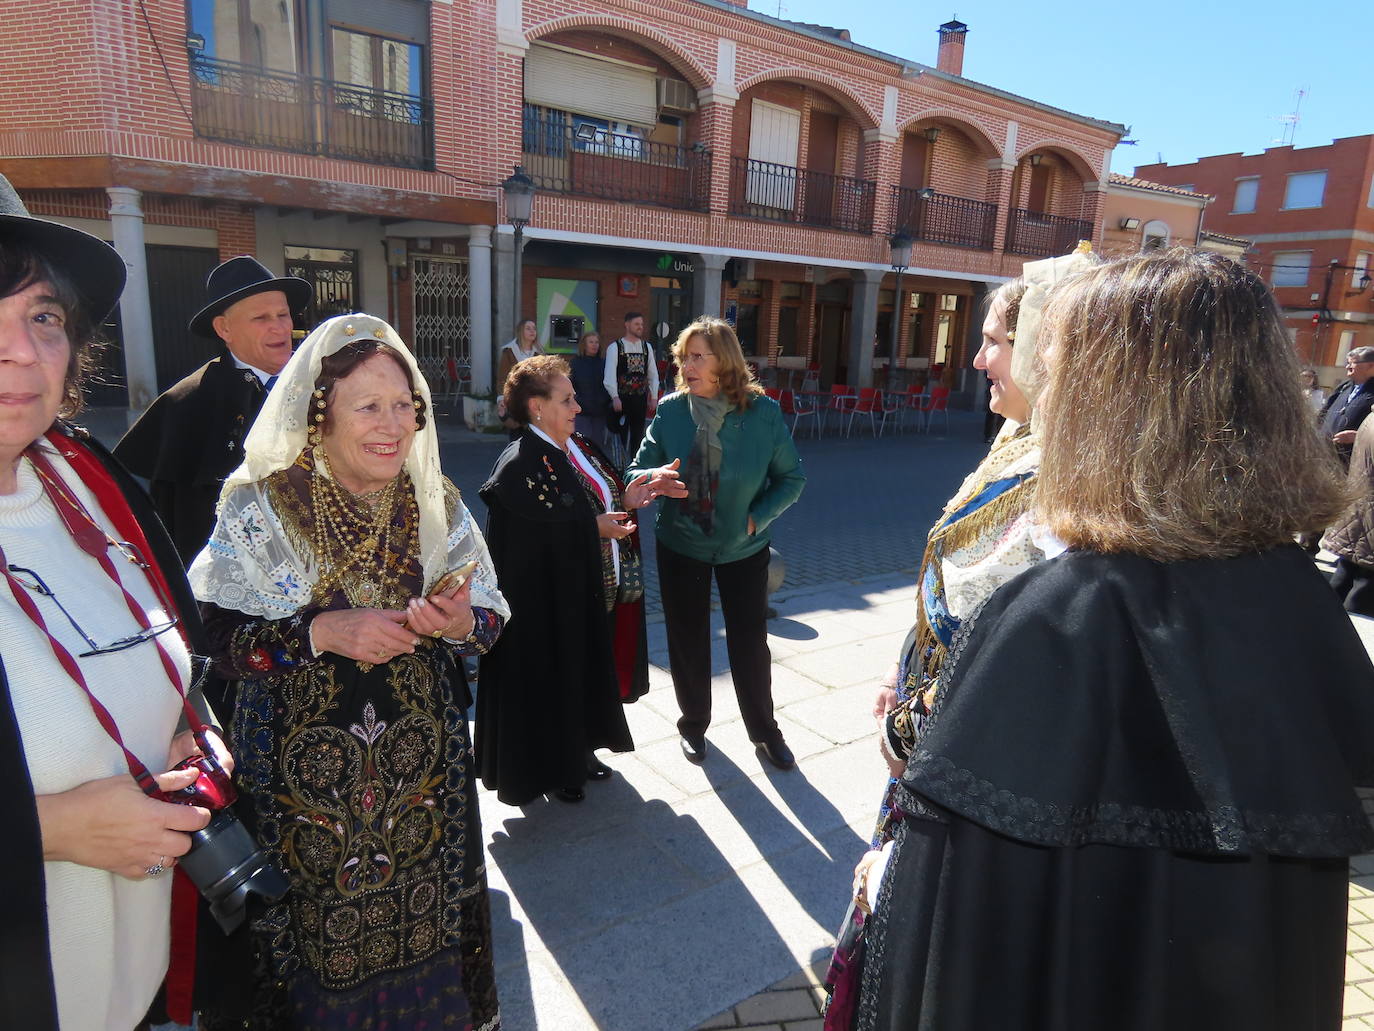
(672, 263)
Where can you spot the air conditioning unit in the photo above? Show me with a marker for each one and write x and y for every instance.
(676, 95)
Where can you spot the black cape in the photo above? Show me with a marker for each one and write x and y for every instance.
(1132, 807)
(188, 441)
(27, 996)
(547, 692)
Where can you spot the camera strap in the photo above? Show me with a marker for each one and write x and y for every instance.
(94, 541)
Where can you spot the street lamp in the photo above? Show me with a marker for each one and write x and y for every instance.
(519, 193)
(900, 243)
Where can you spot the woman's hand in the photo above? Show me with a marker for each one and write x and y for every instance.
(365, 635)
(111, 824)
(665, 482)
(185, 744)
(443, 615)
(614, 526)
(895, 767)
(861, 872)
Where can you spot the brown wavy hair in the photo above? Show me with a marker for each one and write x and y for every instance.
(531, 378)
(1173, 425)
(737, 383)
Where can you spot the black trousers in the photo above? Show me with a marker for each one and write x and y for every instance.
(633, 409)
(685, 584)
(1354, 585)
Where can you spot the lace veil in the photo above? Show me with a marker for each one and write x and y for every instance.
(250, 566)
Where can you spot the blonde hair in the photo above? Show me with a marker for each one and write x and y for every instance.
(737, 383)
(1173, 425)
(582, 342)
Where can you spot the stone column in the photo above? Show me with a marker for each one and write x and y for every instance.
(504, 290)
(135, 308)
(706, 284)
(863, 323)
(481, 346)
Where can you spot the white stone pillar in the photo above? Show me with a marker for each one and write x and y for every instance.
(135, 308)
(706, 284)
(481, 346)
(863, 323)
(503, 288)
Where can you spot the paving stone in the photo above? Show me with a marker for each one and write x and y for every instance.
(724, 1020)
(794, 1004)
(804, 1025)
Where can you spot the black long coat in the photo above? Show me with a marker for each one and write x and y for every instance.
(547, 692)
(188, 441)
(1132, 807)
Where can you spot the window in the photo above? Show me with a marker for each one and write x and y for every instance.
(254, 32)
(1154, 236)
(1291, 268)
(371, 61)
(1304, 190)
(1361, 271)
(1247, 190)
(1371, 192)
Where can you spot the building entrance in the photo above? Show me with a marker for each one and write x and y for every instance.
(668, 315)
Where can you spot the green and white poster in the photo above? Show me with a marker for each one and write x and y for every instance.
(560, 303)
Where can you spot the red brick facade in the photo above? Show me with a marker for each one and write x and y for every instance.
(104, 95)
(1327, 309)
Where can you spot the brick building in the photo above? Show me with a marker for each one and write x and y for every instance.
(1310, 214)
(690, 155)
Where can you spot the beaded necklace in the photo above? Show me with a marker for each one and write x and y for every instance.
(352, 539)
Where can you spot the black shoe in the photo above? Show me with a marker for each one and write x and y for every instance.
(693, 749)
(777, 753)
(596, 769)
(570, 794)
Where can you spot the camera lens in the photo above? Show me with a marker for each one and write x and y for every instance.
(227, 866)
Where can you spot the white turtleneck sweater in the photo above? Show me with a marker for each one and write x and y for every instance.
(108, 936)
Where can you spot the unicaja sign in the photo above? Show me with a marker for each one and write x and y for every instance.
(671, 263)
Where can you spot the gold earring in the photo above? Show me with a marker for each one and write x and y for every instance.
(318, 406)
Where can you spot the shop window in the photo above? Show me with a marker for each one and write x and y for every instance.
(787, 331)
(791, 292)
(750, 289)
(747, 328)
(946, 324)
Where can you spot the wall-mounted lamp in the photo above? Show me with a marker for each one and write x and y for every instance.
(1130, 223)
(1035, 159)
(586, 132)
(195, 43)
(926, 193)
(932, 134)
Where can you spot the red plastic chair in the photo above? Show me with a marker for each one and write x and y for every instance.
(799, 406)
(892, 405)
(841, 400)
(913, 400)
(937, 403)
(869, 404)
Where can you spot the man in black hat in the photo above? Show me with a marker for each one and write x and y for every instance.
(191, 437)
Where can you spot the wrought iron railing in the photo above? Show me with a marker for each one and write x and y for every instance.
(781, 193)
(567, 154)
(1036, 233)
(245, 104)
(942, 218)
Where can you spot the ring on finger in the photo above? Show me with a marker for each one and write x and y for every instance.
(158, 868)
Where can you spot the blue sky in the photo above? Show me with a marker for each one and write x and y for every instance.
(1190, 78)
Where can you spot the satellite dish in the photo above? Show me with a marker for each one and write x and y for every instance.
(663, 330)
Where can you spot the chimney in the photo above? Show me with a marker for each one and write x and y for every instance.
(951, 57)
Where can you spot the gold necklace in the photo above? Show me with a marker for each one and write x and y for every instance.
(354, 550)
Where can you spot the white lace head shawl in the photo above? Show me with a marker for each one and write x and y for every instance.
(1041, 278)
(250, 566)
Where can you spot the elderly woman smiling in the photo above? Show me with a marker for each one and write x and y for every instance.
(343, 580)
(93, 611)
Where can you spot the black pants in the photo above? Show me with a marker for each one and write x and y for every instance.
(685, 584)
(1353, 584)
(633, 409)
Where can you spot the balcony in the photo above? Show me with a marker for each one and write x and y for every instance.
(941, 218)
(1045, 236)
(255, 107)
(781, 193)
(577, 156)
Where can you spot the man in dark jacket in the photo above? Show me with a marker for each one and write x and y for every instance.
(1349, 403)
(191, 437)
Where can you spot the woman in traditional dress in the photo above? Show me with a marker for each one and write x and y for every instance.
(1134, 802)
(567, 552)
(326, 597)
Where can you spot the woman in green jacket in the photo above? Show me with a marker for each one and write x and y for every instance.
(741, 471)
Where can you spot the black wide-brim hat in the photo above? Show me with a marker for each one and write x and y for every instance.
(93, 267)
(243, 277)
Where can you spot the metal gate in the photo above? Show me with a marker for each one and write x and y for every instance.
(333, 273)
(442, 297)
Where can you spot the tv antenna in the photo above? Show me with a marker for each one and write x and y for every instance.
(1290, 121)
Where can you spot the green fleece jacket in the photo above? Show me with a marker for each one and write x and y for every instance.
(760, 476)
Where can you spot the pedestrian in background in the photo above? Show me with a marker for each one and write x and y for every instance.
(587, 370)
(1349, 403)
(1094, 834)
(521, 347)
(741, 471)
(1315, 395)
(1351, 537)
(631, 380)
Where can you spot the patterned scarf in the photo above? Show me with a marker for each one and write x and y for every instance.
(702, 474)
